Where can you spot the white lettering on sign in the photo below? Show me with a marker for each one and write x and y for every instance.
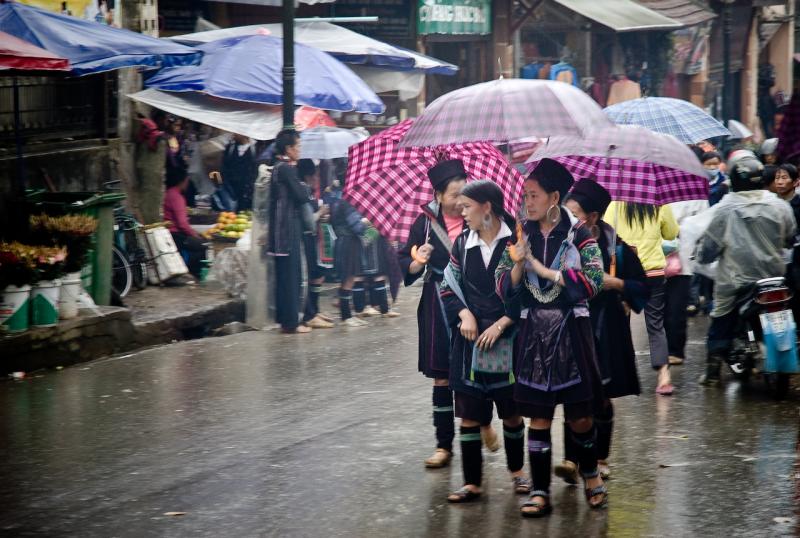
(452, 14)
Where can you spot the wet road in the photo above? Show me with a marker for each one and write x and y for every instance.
(260, 434)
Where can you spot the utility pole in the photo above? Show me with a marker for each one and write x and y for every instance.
(288, 64)
(726, 53)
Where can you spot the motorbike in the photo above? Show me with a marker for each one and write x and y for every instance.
(766, 337)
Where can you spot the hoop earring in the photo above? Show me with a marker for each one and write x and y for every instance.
(557, 217)
(487, 221)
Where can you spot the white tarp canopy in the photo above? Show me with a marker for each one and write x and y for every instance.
(408, 84)
(621, 15)
(347, 45)
(260, 122)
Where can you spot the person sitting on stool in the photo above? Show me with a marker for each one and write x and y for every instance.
(188, 241)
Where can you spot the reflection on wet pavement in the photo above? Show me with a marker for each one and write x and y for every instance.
(260, 434)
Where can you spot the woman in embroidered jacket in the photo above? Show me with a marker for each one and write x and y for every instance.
(482, 329)
(553, 270)
(433, 233)
(623, 291)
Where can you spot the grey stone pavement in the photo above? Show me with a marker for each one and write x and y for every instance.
(262, 434)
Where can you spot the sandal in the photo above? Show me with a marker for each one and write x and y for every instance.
(605, 470)
(441, 458)
(542, 509)
(463, 495)
(521, 484)
(593, 492)
(567, 471)
(490, 439)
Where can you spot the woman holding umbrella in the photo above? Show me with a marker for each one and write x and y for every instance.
(609, 309)
(553, 270)
(426, 254)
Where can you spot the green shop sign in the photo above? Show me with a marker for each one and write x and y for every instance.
(453, 17)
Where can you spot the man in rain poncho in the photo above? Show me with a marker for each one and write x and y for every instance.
(748, 234)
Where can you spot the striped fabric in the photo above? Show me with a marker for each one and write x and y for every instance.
(506, 110)
(685, 121)
(388, 184)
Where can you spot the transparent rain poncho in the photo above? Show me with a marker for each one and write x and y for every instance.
(748, 234)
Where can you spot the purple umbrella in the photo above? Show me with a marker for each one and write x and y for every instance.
(633, 163)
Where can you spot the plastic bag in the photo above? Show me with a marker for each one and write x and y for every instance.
(692, 229)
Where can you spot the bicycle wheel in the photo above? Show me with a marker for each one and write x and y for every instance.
(139, 274)
(121, 276)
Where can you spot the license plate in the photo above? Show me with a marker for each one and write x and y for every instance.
(776, 320)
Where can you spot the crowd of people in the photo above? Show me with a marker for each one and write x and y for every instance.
(521, 315)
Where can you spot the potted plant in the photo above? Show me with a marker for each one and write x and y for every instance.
(17, 272)
(75, 233)
(49, 267)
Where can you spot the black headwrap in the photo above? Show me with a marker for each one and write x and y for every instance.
(591, 196)
(553, 177)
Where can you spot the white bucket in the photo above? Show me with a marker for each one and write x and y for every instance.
(44, 303)
(14, 309)
(70, 290)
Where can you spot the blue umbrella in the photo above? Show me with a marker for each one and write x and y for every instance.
(89, 46)
(687, 122)
(249, 69)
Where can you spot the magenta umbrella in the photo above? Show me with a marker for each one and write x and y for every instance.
(389, 184)
(633, 163)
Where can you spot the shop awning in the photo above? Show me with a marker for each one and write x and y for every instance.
(621, 15)
(688, 12)
(261, 122)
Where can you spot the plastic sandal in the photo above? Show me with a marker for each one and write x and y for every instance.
(542, 509)
(567, 471)
(521, 484)
(463, 495)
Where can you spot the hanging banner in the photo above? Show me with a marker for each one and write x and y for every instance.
(84, 9)
(454, 17)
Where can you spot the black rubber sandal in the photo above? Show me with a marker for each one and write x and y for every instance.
(593, 492)
(543, 509)
(599, 490)
(463, 495)
(521, 485)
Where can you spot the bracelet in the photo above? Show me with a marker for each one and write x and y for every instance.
(557, 278)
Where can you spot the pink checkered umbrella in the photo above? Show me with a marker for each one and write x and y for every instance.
(506, 110)
(388, 184)
(633, 163)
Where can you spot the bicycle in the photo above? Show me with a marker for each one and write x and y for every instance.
(129, 266)
(129, 258)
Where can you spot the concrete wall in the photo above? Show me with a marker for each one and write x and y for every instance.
(748, 110)
(72, 166)
(781, 54)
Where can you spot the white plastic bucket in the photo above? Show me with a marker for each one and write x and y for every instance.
(70, 290)
(44, 303)
(14, 309)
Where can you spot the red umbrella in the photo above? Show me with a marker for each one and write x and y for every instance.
(18, 54)
(308, 117)
(389, 184)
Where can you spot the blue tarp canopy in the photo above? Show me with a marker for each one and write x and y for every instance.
(249, 69)
(89, 46)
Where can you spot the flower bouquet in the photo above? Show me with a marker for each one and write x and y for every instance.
(17, 265)
(17, 272)
(49, 262)
(74, 232)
